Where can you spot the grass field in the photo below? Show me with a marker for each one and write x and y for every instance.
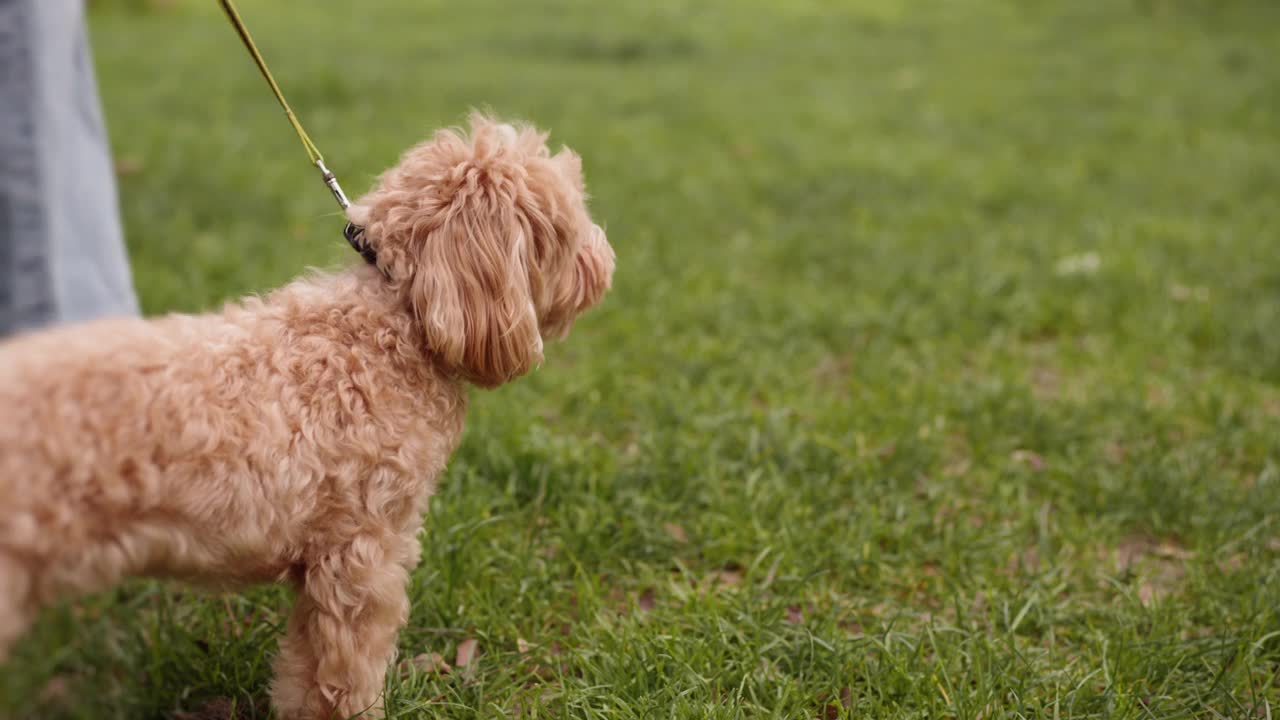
(940, 379)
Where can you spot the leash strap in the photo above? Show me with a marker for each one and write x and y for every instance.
(353, 234)
(237, 22)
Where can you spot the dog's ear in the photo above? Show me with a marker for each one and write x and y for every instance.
(471, 293)
(476, 231)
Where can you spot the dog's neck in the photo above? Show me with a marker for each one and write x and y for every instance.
(356, 306)
(356, 238)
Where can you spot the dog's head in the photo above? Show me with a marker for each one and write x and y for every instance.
(487, 237)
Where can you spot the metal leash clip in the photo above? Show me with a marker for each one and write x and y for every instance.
(352, 232)
(332, 181)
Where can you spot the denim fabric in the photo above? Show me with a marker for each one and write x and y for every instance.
(62, 254)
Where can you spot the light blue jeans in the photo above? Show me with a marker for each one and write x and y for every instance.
(62, 253)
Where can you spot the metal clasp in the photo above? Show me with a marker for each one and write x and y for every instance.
(334, 187)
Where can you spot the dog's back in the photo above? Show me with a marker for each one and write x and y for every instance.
(213, 447)
(57, 389)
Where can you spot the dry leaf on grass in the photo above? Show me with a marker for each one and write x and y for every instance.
(832, 710)
(1169, 550)
(430, 663)
(1232, 563)
(467, 650)
(676, 532)
(522, 646)
(1031, 459)
(729, 576)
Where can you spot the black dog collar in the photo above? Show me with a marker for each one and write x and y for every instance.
(355, 237)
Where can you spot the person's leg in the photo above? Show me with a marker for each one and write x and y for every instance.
(62, 253)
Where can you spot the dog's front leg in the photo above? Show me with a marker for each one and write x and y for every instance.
(342, 633)
(16, 611)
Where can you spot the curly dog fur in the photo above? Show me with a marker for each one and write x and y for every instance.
(297, 437)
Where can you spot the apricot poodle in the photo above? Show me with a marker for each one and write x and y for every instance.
(297, 437)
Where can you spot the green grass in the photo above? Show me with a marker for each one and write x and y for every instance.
(941, 376)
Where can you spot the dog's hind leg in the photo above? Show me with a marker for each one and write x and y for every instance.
(15, 602)
(342, 633)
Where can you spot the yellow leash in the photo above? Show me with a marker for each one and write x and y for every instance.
(353, 233)
(313, 152)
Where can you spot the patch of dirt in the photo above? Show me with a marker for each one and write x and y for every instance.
(1158, 564)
